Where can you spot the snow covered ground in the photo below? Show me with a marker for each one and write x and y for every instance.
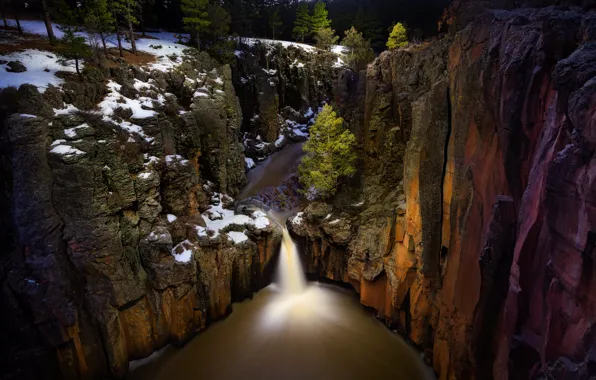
(42, 65)
(41, 69)
(336, 49)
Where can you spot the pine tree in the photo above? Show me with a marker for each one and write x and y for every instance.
(74, 45)
(274, 21)
(76, 48)
(238, 13)
(398, 37)
(16, 10)
(361, 52)
(325, 37)
(319, 18)
(219, 44)
(302, 23)
(330, 155)
(196, 18)
(126, 9)
(147, 13)
(47, 21)
(99, 20)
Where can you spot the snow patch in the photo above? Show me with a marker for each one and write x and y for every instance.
(66, 150)
(186, 252)
(72, 132)
(41, 69)
(297, 219)
(171, 218)
(237, 237)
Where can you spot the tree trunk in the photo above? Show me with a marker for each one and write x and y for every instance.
(133, 44)
(77, 65)
(119, 42)
(198, 42)
(48, 22)
(103, 42)
(16, 17)
(4, 19)
(143, 26)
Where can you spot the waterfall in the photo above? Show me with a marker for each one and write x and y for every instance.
(291, 275)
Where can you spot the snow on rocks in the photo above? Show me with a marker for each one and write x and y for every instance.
(175, 159)
(114, 100)
(219, 220)
(171, 218)
(72, 132)
(297, 219)
(66, 150)
(41, 69)
(237, 237)
(183, 252)
(67, 110)
(250, 163)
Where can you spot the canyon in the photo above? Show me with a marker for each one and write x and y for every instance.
(467, 228)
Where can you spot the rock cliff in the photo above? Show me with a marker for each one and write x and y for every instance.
(470, 228)
(106, 255)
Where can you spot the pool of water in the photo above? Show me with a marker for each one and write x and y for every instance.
(321, 333)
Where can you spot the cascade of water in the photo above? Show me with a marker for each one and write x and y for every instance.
(291, 275)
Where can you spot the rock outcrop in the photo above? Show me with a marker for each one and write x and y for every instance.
(279, 88)
(470, 229)
(106, 257)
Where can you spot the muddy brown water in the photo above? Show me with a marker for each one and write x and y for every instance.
(272, 172)
(325, 334)
(321, 332)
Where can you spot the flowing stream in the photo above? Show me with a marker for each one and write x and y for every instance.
(292, 330)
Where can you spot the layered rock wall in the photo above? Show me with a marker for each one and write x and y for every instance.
(482, 256)
(107, 258)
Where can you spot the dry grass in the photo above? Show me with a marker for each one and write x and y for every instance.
(139, 59)
(11, 42)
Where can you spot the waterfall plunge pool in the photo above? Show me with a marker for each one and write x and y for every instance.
(292, 330)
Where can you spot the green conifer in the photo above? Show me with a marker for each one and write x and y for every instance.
(330, 155)
(196, 18)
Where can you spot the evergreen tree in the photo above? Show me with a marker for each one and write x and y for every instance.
(319, 18)
(361, 52)
(196, 18)
(367, 21)
(217, 34)
(274, 22)
(99, 21)
(126, 10)
(147, 14)
(398, 37)
(325, 37)
(302, 23)
(74, 45)
(47, 21)
(239, 18)
(330, 155)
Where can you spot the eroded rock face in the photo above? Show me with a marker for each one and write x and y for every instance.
(103, 261)
(271, 78)
(483, 255)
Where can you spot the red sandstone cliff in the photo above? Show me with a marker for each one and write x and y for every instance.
(484, 256)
